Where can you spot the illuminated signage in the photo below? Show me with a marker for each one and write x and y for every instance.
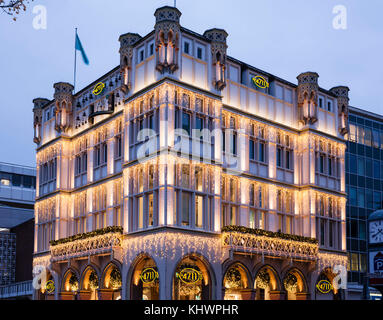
(98, 88)
(190, 276)
(324, 286)
(148, 275)
(50, 286)
(260, 82)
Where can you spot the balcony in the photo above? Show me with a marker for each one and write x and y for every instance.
(16, 290)
(276, 244)
(102, 241)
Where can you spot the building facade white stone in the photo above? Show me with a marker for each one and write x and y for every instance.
(257, 212)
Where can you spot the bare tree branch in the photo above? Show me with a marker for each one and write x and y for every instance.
(13, 7)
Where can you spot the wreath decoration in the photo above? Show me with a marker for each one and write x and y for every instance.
(93, 280)
(291, 283)
(233, 279)
(263, 279)
(115, 279)
(73, 282)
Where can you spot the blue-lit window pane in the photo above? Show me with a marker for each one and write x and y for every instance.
(369, 200)
(16, 180)
(362, 230)
(353, 168)
(352, 196)
(361, 199)
(361, 169)
(377, 200)
(377, 169)
(368, 167)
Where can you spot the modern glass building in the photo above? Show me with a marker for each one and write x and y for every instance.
(17, 196)
(364, 179)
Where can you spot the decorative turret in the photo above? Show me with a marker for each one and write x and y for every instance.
(127, 42)
(38, 118)
(63, 101)
(218, 50)
(308, 97)
(167, 29)
(342, 97)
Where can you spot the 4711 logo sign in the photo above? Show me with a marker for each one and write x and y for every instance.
(324, 286)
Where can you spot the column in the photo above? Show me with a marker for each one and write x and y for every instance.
(244, 200)
(271, 147)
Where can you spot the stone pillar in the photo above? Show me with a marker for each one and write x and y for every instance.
(277, 295)
(248, 294)
(105, 294)
(84, 295)
(302, 296)
(66, 296)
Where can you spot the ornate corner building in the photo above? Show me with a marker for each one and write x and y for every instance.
(184, 173)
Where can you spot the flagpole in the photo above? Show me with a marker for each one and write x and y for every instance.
(75, 63)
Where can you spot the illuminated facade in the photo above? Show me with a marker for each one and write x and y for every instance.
(129, 207)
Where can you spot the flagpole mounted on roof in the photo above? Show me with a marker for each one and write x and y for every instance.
(75, 63)
(78, 46)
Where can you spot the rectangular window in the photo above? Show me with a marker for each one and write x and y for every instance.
(16, 180)
(233, 143)
(198, 211)
(150, 212)
(252, 219)
(105, 153)
(198, 178)
(376, 170)
(252, 149)
(288, 156)
(367, 137)
(251, 195)
(288, 224)
(141, 55)
(352, 135)
(186, 47)
(140, 212)
(329, 106)
(232, 216)
(377, 200)
(322, 232)
(321, 163)
(261, 220)
(151, 49)
(331, 234)
(199, 53)
(320, 102)
(185, 176)
(186, 122)
(329, 166)
(261, 153)
(361, 200)
(375, 138)
(199, 123)
(361, 170)
(185, 208)
(279, 157)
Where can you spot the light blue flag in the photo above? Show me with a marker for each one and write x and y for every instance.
(79, 47)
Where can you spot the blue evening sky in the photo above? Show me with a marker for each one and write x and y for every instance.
(282, 37)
